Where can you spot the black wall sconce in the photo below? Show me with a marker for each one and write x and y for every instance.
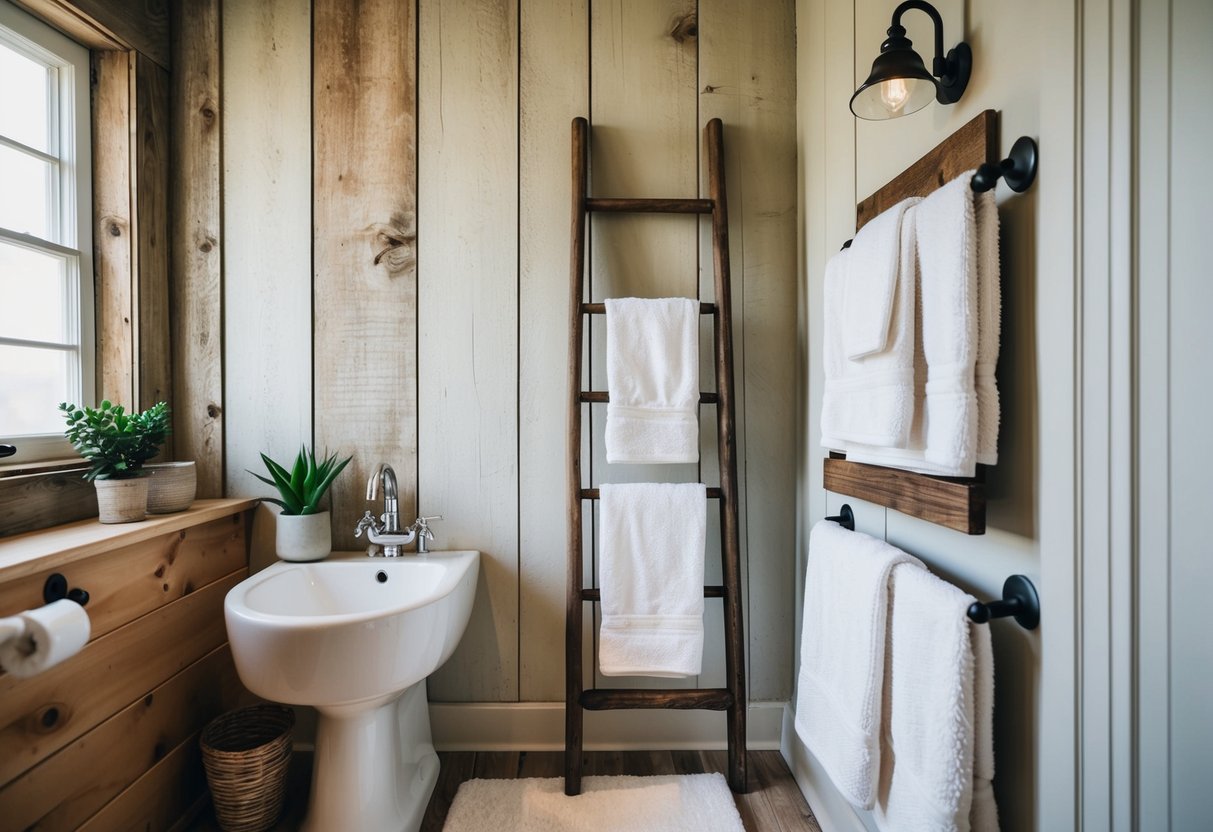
(900, 84)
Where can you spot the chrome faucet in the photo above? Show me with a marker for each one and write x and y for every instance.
(385, 533)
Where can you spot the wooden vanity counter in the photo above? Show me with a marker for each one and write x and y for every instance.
(108, 739)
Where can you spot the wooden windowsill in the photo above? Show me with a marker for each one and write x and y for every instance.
(25, 554)
(46, 466)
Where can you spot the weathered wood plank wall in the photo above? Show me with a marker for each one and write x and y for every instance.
(496, 86)
(469, 321)
(267, 233)
(196, 314)
(364, 246)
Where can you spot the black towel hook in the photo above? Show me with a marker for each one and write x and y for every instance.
(1019, 598)
(845, 518)
(1018, 170)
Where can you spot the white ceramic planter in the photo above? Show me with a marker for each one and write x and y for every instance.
(171, 486)
(121, 501)
(304, 537)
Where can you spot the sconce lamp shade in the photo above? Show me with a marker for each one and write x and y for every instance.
(900, 83)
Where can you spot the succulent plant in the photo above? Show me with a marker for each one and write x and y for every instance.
(304, 485)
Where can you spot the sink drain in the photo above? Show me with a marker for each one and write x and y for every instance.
(381, 576)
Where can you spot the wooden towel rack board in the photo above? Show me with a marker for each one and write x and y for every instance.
(955, 502)
(730, 698)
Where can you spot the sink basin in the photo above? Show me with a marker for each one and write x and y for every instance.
(356, 637)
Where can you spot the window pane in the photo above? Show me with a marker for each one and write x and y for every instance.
(32, 383)
(24, 99)
(34, 299)
(25, 193)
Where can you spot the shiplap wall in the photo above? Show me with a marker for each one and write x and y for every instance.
(496, 87)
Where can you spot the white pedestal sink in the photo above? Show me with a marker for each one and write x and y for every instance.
(356, 637)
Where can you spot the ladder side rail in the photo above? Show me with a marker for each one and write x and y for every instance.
(573, 717)
(726, 439)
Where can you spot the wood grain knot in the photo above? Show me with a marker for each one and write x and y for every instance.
(49, 718)
(395, 242)
(684, 27)
(159, 573)
(213, 410)
(114, 229)
(207, 111)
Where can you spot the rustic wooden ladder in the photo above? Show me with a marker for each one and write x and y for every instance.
(730, 698)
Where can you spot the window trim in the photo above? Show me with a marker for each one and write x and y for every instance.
(42, 42)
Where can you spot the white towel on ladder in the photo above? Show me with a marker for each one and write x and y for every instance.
(652, 360)
(650, 567)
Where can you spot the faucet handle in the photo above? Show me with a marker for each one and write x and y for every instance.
(367, 521)
(422, 525)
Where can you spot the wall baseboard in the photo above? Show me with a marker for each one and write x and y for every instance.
(539, 726)
(833, 812)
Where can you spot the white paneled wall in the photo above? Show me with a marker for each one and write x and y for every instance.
(497, 86)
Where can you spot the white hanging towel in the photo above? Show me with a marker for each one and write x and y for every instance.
(842, 655)
(868, 349)
(937, 759)
(653, 380)
(956, 406)
(650, 567)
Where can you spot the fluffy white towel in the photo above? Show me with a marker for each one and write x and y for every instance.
(653, 378)
(870, 400)
(938, 710)
(650, 566)
(842, 655)
(956, 411)
(947, 255)
(872, 278)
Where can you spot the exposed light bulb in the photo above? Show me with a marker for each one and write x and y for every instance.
(893, 93)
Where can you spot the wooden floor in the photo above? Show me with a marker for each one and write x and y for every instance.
(773, 804)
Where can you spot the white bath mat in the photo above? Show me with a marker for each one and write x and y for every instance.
(668, 803)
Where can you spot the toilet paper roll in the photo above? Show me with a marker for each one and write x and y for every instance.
(52, 633)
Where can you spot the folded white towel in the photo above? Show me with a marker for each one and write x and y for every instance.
(956, 411)
(650, 566)
(932, 721)
(842, 655)
(872, 280)
(652, 360)
(870, 399)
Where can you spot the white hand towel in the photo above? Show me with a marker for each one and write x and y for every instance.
(956, 409)
(947, 253)
(932, 721)
(842, 655)
(653, 379)
(872, 280)
(650, 566)
(870, 400)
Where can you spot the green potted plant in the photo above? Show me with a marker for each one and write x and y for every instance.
(304, 531)
(116, 444)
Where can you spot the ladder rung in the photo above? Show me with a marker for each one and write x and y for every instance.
(708, 592)
(650, 206)
(600, 396)
(592, 494)
(686, 699)
(600, 308)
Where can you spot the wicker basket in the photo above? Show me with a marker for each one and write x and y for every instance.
(246, 754)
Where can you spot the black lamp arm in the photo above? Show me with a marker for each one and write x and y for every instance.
(939, 66)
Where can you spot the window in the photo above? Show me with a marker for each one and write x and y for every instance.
(46, 268)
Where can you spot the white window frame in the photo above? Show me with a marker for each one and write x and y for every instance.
(74, 220)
